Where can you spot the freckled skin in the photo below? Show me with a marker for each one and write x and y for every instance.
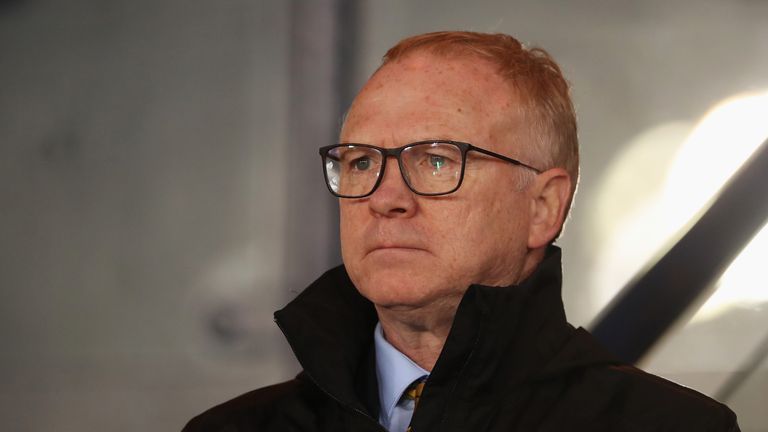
(475, 235)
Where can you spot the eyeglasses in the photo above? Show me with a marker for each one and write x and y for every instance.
(429, 168)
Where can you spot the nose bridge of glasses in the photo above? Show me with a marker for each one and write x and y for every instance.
(399, 165)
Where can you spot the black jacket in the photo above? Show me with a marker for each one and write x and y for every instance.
(511, 363)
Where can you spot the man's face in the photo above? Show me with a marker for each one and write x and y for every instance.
(403, 250)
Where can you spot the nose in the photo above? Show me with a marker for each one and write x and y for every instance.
(393, 198)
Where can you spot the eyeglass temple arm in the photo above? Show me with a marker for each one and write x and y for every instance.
(504, 158)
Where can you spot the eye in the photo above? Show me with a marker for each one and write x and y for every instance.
(362, 163)
(437, 161)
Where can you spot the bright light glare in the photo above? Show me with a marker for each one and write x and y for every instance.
(673, 194)
(744, 284)
(716, 148)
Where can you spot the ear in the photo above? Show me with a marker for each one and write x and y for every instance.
(550, 196)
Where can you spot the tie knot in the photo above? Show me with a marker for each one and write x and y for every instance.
(413, 392)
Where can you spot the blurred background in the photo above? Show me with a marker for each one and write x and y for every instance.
(161, 193)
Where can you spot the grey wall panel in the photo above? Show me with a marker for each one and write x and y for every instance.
(142, 148)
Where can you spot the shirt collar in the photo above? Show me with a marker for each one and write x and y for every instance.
(394, 371)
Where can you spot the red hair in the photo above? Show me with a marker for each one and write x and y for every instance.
(532, 73)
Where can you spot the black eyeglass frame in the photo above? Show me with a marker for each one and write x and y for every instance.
(396, 152)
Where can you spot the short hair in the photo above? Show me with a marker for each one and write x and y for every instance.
(532, 73)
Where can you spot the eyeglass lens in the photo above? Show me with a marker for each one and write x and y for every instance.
(428, 168)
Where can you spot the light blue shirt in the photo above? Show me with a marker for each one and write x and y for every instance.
(395, 372)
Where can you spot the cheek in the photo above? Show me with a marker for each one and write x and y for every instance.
(498, 226)
(350, 232)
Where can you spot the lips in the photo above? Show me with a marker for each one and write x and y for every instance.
(394, 246)
(391, 237)
(397, 248)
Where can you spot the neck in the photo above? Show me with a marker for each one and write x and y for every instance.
(531, 263)
(419, 333)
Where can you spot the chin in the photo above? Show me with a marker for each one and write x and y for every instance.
(394, 289)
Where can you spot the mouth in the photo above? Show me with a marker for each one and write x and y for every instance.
(394, 248)
(398, 248)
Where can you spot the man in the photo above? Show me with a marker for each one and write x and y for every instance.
(446, 315)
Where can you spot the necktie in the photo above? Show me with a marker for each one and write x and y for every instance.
(413, 392)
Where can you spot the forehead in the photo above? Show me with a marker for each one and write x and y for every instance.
(423, 96)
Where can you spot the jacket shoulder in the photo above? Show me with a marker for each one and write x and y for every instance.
(643, 401)
(603, 390)
(261, 409)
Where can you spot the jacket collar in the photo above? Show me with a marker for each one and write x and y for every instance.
(330, 329)
(501, 337)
